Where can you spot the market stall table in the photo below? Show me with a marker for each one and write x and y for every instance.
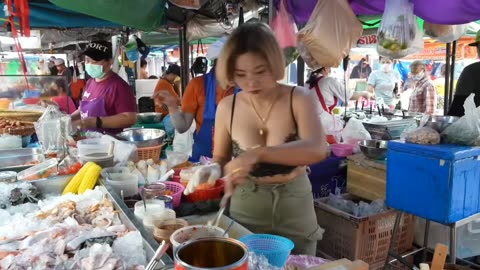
(366, 178)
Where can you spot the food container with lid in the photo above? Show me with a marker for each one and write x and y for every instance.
(194, 232)
(151, 191)
(152, 206)
(128, 183)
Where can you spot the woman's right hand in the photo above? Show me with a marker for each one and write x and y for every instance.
(165, 98)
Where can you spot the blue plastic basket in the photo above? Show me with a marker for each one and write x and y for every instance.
(275, 248)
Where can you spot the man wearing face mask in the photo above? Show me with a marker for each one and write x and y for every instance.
(108, 104)
(382, 83)
(424, 95)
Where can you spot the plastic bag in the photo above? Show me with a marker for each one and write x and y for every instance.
(284, 27)
(423, 135)
(69, 165)
(175, 158)
(444, 33)
(53, 129)
(332, 125)
(329, 34)
(399, 33)
(354, 131)
(122, 151)
(469, 125)
(183, 142)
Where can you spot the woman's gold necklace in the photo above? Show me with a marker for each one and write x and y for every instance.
(263, 131)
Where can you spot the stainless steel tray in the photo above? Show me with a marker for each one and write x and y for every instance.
(55, 185)
(16, 159)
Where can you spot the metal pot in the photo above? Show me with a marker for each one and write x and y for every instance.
(212, 253)
(149, 118)
(143, 137)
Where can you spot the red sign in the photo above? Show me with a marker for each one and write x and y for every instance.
(367, 41)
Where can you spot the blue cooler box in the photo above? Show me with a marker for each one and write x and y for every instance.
(436, 182)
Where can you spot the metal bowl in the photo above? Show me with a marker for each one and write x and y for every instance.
(440, 123)
(143, 137)
(149, 118)
(374, 149)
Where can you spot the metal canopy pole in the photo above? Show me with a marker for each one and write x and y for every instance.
(446, 102)
(184, 59)
(452, 74)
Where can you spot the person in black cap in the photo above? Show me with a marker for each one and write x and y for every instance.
(166, 83)
(468, 83)
(108, 104)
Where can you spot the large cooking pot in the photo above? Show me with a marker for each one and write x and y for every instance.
(143, 137)
(212, 253)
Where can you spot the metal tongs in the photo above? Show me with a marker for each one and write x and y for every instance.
(158, 254)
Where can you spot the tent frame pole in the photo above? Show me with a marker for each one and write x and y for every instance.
(452, 74)
(446, 102)
(184, 59)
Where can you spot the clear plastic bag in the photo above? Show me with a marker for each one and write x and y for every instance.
(53, 129)
(329, 34)
(399, 34)
(444, 33)
(469, 124)
(284, 27)
(354, 131)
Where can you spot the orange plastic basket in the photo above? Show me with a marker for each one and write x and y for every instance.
(367, 239)
(207, 194)
(153, 152)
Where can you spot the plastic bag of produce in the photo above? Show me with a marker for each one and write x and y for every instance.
(284, 27)
(329, 34)
(444, 33)
(469, 125)
(399, 34)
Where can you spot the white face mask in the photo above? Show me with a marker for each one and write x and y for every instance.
(387, 67)
(419, 76)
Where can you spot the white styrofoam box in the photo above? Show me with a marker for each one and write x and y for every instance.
(145, 88)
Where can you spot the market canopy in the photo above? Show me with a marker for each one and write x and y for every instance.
(46, 15)
(434, 11)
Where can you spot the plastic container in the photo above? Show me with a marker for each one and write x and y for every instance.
(175, 190)
(153, 206)
(367, 239)
(188, 233)
(328, 175)
(275, 248)
(110, 170)
(342, 149)
(126, 182)
(90, 146)
(151, 219)
(103, 160)
(164, 230)
(207, 194)
(442, 181)
(40, 171)
(151, 191)
(146, 153)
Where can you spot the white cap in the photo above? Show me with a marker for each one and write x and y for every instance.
(58, 61)
(216, 48)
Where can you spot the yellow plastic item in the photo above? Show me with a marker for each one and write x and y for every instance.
(75, 182)
(90, 178)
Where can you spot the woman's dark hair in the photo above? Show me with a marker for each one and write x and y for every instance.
(143, 62)
(153, 77)
(312, 79)
(61, 84)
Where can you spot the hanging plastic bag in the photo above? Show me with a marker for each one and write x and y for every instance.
(53, 129)
(330, 33)
(469, 125)
(399, 34)
(284, 27)
(332, 125)
(444, 33)
(354, 132)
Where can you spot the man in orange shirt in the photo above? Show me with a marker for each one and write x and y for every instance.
(166, 84)
(200, 103)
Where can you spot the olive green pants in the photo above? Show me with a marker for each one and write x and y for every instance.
(281, 209)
